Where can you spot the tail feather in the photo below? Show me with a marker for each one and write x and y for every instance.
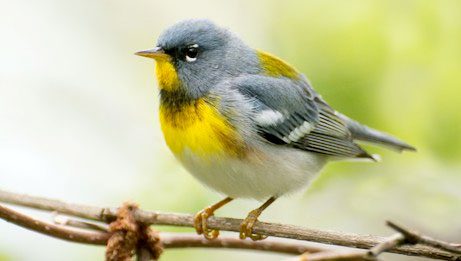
(367, 134)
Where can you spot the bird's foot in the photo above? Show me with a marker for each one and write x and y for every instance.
(246, 227)
(201, 219)
(201, 225)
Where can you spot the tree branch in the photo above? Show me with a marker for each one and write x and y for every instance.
(418, 238)
(183, 240)
(370, 255)
(66, 221)
(169, 240)
(389, 243)
(94, 238)
(228, 224)
(332, 256)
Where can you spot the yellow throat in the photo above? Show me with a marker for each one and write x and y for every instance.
(166, 75)
(195, 125)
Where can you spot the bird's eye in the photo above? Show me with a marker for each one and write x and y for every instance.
(191, 53)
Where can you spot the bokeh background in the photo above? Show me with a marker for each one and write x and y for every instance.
(78, 111)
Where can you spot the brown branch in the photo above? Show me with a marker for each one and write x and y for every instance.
(184, 240)
(416, 237)
(83, 211)
(66, 221)
(228, 224)
(94, 238)
(405, 236)
(389, 243)
(372, 254)
(169, 240)
(332, 256)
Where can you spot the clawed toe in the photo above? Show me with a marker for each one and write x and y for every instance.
(201, 225)
(246, 227)
(198, 222)
(201, 219)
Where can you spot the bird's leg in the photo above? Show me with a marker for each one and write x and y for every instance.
(200, 219)
(246, 228)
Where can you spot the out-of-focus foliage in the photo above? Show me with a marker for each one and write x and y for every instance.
(78, 111)
(392, 64)
(4, 257)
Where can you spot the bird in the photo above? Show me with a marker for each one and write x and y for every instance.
(245, 123)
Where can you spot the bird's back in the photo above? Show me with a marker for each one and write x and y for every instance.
(288, 112)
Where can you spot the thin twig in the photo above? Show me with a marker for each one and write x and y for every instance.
(416, 237)
(67, 221)
(95, 238)
(228, 224)
(183, 240)
(372, 254)
(389, 243)
(332, 256)
(78, 210)
(169, 240)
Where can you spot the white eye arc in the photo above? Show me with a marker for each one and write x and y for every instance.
(190, 59)
(191, 53)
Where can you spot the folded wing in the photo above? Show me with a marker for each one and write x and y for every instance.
(290, 113)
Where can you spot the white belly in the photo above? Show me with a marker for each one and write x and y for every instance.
(260, 175)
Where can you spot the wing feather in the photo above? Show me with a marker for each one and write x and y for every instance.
(307, 122)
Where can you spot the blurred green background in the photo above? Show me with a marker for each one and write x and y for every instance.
(78, 111)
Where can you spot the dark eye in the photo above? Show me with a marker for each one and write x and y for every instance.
(191, 53)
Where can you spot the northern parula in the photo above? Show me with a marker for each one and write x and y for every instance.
(244, 122)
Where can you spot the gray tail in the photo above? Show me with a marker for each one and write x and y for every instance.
(364, 133)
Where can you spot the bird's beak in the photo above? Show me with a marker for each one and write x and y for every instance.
(156, 53)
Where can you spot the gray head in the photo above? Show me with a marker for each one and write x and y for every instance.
(203, 54)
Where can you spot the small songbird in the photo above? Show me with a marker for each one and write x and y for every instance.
(245, 123)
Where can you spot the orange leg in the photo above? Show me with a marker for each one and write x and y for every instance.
(246, 228)
(200, 220)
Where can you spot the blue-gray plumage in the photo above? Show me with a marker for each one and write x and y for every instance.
(222, 55)
(267, 132)
(225, 58)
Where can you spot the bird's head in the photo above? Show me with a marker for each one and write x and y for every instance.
(194, 55)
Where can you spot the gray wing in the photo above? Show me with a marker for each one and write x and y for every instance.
(290, 113)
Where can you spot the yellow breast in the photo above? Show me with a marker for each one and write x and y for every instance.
(200, 128)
